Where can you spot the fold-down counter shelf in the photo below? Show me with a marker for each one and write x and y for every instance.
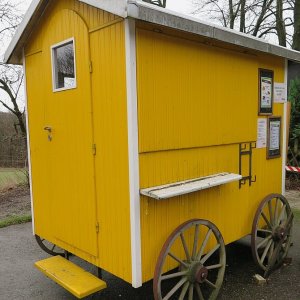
(189, 186)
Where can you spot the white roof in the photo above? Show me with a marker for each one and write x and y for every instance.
(150, 13)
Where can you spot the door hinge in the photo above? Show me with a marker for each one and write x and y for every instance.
(91, 67)
(97, 227)
(94, 148)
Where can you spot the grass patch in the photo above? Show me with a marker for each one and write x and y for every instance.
(13, 220)
(296, 214)
(10, 177)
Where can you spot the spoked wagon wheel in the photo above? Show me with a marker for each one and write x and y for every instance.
(271, 232)
(48, 247)
(195, 254)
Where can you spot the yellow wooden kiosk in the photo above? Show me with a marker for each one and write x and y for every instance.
(155, 140)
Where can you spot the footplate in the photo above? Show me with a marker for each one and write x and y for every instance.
(71, 277)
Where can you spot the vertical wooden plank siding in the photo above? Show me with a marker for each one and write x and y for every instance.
(110, 121)
(197, 102)
(105, 90)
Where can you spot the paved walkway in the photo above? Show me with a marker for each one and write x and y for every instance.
(293, 198)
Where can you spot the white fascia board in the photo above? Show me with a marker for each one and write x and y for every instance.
(157, 15)
(13, 53)
(116, 7)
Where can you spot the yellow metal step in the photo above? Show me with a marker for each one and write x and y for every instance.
(74, 279)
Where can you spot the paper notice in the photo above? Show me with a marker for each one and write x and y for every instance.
(279, 92)
(274, 135)
(261, 133)
(266, 92)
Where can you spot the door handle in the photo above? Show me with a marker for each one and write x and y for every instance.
(48, 128)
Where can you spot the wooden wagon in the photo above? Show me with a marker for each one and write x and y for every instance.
(155, 140)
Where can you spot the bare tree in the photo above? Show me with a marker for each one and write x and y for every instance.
(256, 17)
(10, 17)
(296, 36)
(11, 77)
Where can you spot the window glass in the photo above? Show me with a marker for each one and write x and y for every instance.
(64, 66)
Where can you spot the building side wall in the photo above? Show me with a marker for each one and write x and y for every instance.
(197, 102)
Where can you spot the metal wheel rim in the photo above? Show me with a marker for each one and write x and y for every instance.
(263, 249)
(49, 248)
(188, 289)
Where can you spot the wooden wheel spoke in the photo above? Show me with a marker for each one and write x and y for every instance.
(196, 238)
(289, 220)
(271, 213)
(264, 241)
(42, 240)
(271, 250)
(265, 251)
(200, 252)
(175, 288)
(212, 285)
(192, 251)
(264, 230)
(53, 247)
(198, 290)
(270, 243)
(276, 211)
(173, 275)
(275, 256)
(178, 259)
(187, 254)
(191, 292)
(184, 290)
(281, 214)
(266, 220)
(212, 267)
(209, 254)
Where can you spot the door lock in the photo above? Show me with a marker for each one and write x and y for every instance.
(49, 129)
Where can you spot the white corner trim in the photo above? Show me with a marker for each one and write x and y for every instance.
(133, 153)
(284, 136)
(28, 140)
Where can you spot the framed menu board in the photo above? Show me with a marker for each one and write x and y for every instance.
(266, 88)
(274, 137)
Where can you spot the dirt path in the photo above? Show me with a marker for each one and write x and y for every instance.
(15, 201)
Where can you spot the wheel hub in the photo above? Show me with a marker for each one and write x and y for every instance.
(279, 233)
(201, 275)
(197, 273)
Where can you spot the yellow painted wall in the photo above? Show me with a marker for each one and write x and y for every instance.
(110, 127)
(197, 102)
(101, 120)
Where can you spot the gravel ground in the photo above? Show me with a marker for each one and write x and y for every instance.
(14, 201)
(20, 280)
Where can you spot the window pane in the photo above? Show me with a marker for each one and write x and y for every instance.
(64, 66)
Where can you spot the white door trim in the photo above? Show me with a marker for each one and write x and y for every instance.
(28, 140)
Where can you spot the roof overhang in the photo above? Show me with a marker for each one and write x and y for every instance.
(153, 14)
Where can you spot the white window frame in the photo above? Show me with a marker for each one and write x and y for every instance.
(53, 65)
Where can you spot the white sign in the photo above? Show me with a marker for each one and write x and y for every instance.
(274, 135)
(266, 92)
(261, 133)
(279, 92)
